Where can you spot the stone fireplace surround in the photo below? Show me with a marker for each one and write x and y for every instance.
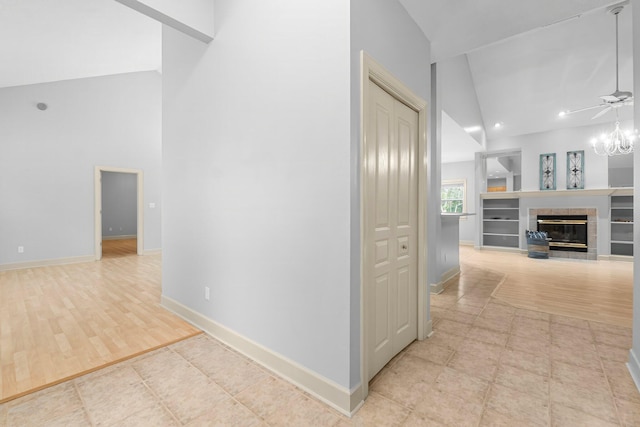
(592, 230)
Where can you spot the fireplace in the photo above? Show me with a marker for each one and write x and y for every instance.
(591, 230)
(567, 232)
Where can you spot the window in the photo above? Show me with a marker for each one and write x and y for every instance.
(453, 196)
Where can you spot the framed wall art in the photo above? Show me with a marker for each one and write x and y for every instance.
(548, 171)
(575, 170)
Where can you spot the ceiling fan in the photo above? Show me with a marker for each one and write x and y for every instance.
(618, 98)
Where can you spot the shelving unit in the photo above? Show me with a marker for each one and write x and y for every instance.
(621, 225)
(501, 222)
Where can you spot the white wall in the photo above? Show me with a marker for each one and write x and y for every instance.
(459, 98)
(256, 177)
(385, 31)
(261, 154)
(464, 170)
(48, 157)
(119, 204)
(559, 142)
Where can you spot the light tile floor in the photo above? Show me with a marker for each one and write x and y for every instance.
(487, 364)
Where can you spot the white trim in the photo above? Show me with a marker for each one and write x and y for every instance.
(97, 210)
(373, 71)
(152, 252)
(46, 262)
(558, 193)
(623, 258)
(436, 288)
(121, 237)
(467, 243)
(634, 368)
(338, 397)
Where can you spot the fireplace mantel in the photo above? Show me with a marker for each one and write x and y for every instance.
(624, 191)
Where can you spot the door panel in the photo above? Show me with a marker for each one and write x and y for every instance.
(390, 228)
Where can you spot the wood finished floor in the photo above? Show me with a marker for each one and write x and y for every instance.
(600, 291)
(62, 321)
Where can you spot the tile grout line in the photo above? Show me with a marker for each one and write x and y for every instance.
(606, 376)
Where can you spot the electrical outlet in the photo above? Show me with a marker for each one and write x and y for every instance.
(20, 249)
(206, 293)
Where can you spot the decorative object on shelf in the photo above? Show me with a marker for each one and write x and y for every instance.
(575, 170)
(548, 171)
(615, 143)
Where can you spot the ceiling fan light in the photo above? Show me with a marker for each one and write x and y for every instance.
(616, 143)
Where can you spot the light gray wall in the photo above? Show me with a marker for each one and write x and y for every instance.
(449, 246)
(48, 157)
(385, 31)
(119, 204)
(596, 170)
(621, 177)
(256, 177)
(464, 170)
(264, 165)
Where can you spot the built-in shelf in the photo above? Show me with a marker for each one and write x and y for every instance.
(501, 222)
(621, 224)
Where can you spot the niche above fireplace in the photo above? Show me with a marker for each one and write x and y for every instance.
(573, 231)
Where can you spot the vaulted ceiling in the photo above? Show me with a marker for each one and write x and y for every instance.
(45, 40)
(528, 59)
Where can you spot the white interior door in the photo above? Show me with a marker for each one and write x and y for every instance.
(391, 239)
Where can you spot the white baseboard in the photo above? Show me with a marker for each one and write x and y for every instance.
(342, 399)
(429, 328)
(46, 262)
(436, 288)
(634, 368)
(625, 258)
(152, 251)
(467, 243)
(122, 237)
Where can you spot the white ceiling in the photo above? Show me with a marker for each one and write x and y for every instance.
(530, 60)
(52, 40)
(527, 60)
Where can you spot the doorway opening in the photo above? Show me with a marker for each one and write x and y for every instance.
(119, 211)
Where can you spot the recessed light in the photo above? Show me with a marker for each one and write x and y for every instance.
(472, 129)
(562, 113)
(498, 125)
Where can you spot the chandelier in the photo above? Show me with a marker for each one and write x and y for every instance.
(615, 143)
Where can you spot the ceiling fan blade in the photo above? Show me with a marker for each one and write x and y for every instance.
(579, 110)
(602, 113)
(609, 98)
